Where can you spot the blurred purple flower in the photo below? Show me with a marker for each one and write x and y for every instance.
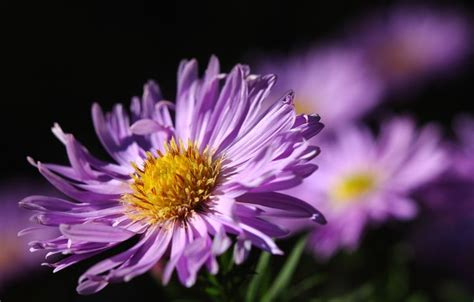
(335, 82)
(15, 259)
(457, 181)
(447, 233)
(181, 187)
(463, 151)
(364, 180)
(410, 43)
(450, 212)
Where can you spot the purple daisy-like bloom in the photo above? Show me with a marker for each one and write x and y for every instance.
(365, 179)
(456, 184)
(457, 181)
(181, 187)
(413, 42)
(15, 260)
(333, 81)
(450, 215)
(447, 231)
(463, 151)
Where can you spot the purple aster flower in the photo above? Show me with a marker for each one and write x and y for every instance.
(183, 186)
(410, 43)
(457, 181)
(363, 179)
(450, 212)
(15, 260)
(333, 81)
(446, 233)
(463, 151)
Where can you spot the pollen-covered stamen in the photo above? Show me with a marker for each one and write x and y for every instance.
(173, 185)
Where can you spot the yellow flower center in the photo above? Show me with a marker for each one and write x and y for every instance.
(398, 58)
(11, 253)
(174, 185)
(353, 187)
(304, 107)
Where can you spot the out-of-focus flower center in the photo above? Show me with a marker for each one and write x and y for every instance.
(174, 185)
(353, 187)
(398, 58)
(303, 107)
(10, 255)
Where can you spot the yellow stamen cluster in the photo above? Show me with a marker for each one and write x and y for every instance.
(353, 187)
(173, 185)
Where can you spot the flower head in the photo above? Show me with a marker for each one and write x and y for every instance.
(450, 209)
(463, 150)
(363, 179)
(456, 184)
(413, 42)
(183, 186)
(333, 81)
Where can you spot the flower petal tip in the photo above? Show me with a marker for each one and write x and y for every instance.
(319, 218)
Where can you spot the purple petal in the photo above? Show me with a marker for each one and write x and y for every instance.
(261, 240)
(241, 250)
(221, 242)
(93, 232)
(266, 227)
(145, 258)
(290, 206)
(89, 287)
(68, 189)
(147, 126)
(309, 124)
(47, 203)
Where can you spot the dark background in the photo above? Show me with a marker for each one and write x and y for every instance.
(59, 58)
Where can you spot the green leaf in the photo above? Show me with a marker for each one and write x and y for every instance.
(256, 281)
(213, 280)
(304, 286)
(212, 291)
(419, 297)
(284, 277)
(452, 291)
(364, 293)
(226, 261)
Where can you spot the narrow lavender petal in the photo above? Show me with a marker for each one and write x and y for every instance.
(221, 242)
(151, 96)
(244, 210)
(241, 250)
(109, 263)
(94, 232)
(290, 206)
(278, 118)
(309, 124)
(89, 287)
(266, 227)
(261, 240)
(68, 189)
(122, 150)
(70, 260)
(194, 257)
(147, 126)
(259, 89)
(187, 75)
(48, 203)
(147, 256)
